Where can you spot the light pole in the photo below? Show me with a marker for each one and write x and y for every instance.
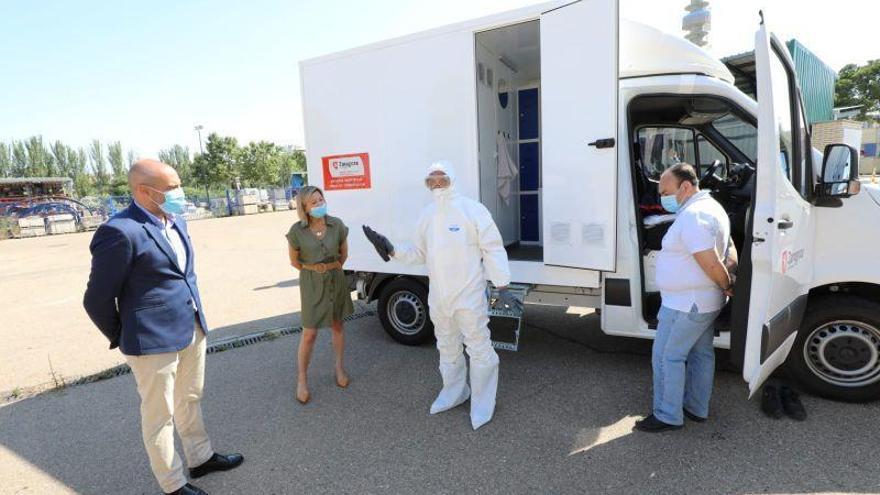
(198, 128)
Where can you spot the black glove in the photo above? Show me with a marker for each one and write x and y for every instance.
(380, 242)
(507, 300)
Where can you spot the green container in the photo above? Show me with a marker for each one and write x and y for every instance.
(817, 82)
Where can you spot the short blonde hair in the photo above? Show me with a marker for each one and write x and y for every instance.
(301, 196)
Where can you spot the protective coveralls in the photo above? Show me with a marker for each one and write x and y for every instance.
(461, 245)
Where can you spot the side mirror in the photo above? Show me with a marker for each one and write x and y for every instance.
(840, 172)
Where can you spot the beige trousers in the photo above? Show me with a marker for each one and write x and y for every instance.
(170, 385)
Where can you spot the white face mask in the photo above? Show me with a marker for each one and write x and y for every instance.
(441, 192)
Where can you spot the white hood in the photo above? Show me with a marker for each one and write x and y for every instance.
(447, 168)
(442, 166)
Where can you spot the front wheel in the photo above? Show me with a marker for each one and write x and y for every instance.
(837, 351)
(403, 311)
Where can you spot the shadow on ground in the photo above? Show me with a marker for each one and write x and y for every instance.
(562, 426)
(284, 283)
(286, 320)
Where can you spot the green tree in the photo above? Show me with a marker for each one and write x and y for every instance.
(60, 153)
(5, 160)
(119, 179)
(116, 159)
(99, 166)
(260, 164)
(178, 157)
(19, 159)
(859, 85)
(39, 161)
(82, 182)
(218, 166)
(132, 157)
(292, 160)
(73, 168)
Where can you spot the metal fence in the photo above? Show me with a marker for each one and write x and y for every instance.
(34, 217)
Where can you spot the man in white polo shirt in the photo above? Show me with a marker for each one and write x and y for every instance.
(694, 282)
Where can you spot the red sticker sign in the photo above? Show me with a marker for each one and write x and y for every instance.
(350, 171)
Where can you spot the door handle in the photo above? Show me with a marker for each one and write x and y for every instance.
(602, 143)
(785, 225)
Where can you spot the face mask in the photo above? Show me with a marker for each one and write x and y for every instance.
(319, 211)
(441, 192)
(670, 202)
(175, 201)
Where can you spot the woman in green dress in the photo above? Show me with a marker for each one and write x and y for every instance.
(318, 248)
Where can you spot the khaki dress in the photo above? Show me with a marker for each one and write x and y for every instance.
(325, 297)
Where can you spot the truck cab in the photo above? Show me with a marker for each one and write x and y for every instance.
(591, 110)
(800, 298)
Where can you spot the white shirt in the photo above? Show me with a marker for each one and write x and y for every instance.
(176, 242)
(173, 236)
(700, 224)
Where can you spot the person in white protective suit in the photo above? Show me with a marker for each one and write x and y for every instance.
(461, 245)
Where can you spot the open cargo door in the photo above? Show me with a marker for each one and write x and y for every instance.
(579, 128)
(782, 229)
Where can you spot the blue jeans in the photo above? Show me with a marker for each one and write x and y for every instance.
(684, 364)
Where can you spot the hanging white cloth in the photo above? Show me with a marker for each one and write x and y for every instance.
(507, 169)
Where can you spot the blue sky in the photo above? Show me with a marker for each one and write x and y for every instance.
(145, 72)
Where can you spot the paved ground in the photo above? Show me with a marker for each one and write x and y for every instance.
(566, 405)
(246, 282)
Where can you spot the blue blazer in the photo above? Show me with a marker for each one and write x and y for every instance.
(137, 295)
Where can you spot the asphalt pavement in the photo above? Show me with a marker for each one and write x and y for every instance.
(566, 404)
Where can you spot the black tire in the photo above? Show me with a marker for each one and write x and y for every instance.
(403, 311)
(839, 333)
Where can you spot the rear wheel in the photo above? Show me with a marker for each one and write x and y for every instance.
(837, 351)
(403, 311)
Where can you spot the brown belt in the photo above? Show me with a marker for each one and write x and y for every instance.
(323, 267)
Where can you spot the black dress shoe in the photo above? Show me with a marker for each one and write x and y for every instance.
(693, 417)
(217, 462)
(771, 402)
(188, 489)
(653, 425)
(791, 404)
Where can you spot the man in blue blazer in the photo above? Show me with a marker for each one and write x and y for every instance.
(142, 295)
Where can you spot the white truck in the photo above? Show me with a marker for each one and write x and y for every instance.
(591, 110)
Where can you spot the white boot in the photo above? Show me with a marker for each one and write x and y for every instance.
(484, 385)
(455, 388)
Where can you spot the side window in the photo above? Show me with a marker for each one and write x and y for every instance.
(782, 103)
(789, 114)
(708, 154)
(663, 147)
(805, 183)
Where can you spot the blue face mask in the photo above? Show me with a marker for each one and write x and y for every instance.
(319, 211)
(175, 201)
(670, 203)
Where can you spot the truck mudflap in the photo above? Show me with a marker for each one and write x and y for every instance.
(505, 324)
